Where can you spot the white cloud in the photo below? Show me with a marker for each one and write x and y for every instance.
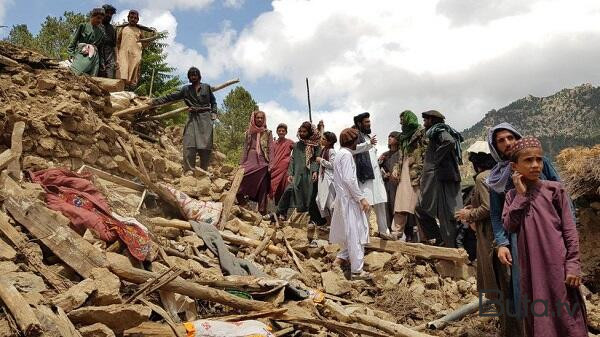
(237, 4)
(4, 4)
(461, 59)
(159, 5)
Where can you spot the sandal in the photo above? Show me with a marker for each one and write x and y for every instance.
(363, 275)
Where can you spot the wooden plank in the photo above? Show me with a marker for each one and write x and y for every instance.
(189, 288)
(6, 158)
(19, 309)
(16, 147)
(294, 256)
(67, 245)
(122, 143)
(152, 329)
(34, 260)
(231, 196)
(390, 327)
(112, 178)
(8, 61)
(6, 251)
(418, 250)
(109, 84)
(334, 325)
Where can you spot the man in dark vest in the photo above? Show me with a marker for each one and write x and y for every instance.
(369, 176)
(440, 182)
(107, 50)
(198, 132)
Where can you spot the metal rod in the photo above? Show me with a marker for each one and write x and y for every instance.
(308, 94)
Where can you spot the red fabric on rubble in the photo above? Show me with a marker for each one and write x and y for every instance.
(77, 198)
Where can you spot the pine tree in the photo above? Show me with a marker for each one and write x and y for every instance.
(154, 60)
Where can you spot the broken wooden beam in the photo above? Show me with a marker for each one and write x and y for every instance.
(33, 259)
(16, 147)
(392, 328)
(109, 84)
(335, 326)
(8, 61)
(19, 309)
(112, 178)
(188, 288)
(52, 229)
(6, 158)
(418, 250)
(230, 197)
(231, 238)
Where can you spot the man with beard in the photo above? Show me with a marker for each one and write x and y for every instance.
(440, 182)
(198, 132)
(501, 139)
(107, 50)
(369, 174)
(302, 171)
(130, 42)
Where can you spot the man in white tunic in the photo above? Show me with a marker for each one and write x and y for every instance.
(369, 174)
(349, 225)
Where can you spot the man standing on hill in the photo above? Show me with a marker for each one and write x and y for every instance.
(130, 42)
(440, 182)
(369, 174)
(198, 132)
(107, 50)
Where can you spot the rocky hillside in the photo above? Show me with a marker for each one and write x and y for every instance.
(571, 117)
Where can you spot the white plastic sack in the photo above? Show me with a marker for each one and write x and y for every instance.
(121, 100)
(208, 328)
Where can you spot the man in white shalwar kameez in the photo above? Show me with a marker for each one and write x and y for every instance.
(370, 180)
(349, 225)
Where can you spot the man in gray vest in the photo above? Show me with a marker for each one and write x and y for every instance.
(198, 132)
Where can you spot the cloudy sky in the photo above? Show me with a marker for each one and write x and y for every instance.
(461, 57)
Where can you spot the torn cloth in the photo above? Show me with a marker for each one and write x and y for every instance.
(230, 264)
(77, 198)
(208, 212)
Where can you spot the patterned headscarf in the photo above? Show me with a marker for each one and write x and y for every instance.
(410, 125)
(253, 129)
(524, 143)
(311, 140)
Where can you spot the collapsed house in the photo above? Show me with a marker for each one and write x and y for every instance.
(137, 258)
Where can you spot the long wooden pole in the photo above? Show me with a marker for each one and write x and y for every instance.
(190, 289)
(308, 95)
(151, 82)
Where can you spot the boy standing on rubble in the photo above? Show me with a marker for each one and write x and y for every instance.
(548, 244)
(198, 132)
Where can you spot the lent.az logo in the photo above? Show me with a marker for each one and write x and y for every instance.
(537, 308)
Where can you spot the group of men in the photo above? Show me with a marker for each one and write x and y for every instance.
(98, 48)
(414, 189)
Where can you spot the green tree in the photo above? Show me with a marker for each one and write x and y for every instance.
(55, 33)
(154, 61)
(235, 113)
(21, 36)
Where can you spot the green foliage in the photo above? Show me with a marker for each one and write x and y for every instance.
(235, 114)
(55, 34)
(154, 60)
(21, 36)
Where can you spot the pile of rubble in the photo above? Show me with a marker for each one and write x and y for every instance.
(265, 276)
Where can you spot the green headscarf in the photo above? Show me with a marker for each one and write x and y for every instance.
(410, 124)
